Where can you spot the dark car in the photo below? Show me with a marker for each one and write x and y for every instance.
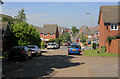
(35, 50)
(18, 52)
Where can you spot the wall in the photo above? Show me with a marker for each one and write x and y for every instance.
(48, 36)
(114, 47)
(101, 32)
(104, 32)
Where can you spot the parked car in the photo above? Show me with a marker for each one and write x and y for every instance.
(18, 52)
(35, 50)
(74, 49)
(53, 45)
(77, 40)
(67, 43)
(71, 42)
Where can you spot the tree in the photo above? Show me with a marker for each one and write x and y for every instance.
(83, 37)
(74, 29)
(25, 34)
(21, 17)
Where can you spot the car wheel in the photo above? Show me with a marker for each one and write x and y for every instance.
(47, 48)
(26, 57)
(36, 54)
(40, 54)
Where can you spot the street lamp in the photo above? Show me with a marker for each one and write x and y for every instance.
(91, 27)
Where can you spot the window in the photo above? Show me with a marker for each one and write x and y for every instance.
(51, 34)
(45, 34)
(107, 26)
(114, 27)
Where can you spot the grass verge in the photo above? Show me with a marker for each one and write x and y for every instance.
(94, 53)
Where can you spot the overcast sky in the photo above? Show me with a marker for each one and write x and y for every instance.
(65, 14)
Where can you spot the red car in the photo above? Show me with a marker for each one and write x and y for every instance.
(67, 44)
(77, 40)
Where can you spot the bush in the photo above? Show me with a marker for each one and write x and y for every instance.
(43, 45)
(94, 46)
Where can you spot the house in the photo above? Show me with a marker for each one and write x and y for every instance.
(49, 31)
(109, 26)
(6, 36)
(60, 30)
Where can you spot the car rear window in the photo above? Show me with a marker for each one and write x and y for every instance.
(74, 46)
(31, 46)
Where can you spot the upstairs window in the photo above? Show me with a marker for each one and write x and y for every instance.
(51, 34)
(45, 34)
(114, 27)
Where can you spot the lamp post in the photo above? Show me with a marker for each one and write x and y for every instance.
(91, 27)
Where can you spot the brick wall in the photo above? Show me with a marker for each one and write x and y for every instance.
(114, 47)
(48, 36)
(101, 32)
(104, 32)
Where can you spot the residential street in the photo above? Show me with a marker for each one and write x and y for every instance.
(56, 63)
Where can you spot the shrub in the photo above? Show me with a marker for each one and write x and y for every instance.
(94, 46)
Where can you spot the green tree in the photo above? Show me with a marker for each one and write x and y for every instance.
(66, 36)
(52, 40)
(83, 37)
(21, 17)
(25, 34)
(74, 29)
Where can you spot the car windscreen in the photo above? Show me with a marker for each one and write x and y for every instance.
(74, 46)
(31, 46)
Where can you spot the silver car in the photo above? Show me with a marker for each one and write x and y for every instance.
(53, 45)
(35, 50)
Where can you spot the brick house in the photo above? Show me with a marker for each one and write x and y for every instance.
(49, 31)
(60, 30)
(109, 24)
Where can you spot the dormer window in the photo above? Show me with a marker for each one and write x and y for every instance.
(113, 26)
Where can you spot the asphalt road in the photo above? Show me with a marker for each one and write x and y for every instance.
(56, 63)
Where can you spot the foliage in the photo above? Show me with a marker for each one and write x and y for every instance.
(74, 29)
(110, 39)
(94, 46)
(43, 45)
(21, 17)
(52, 40)
(25, 34)
(83, 38)
(65, 36)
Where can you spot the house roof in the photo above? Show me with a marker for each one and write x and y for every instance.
(48, 28)
(3, 25)
(110, 14)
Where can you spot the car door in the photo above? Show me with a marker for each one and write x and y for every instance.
(27, 51)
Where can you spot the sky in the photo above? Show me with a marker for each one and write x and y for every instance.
(65, 14)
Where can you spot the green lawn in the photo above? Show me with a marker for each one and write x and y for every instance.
(94, 53)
